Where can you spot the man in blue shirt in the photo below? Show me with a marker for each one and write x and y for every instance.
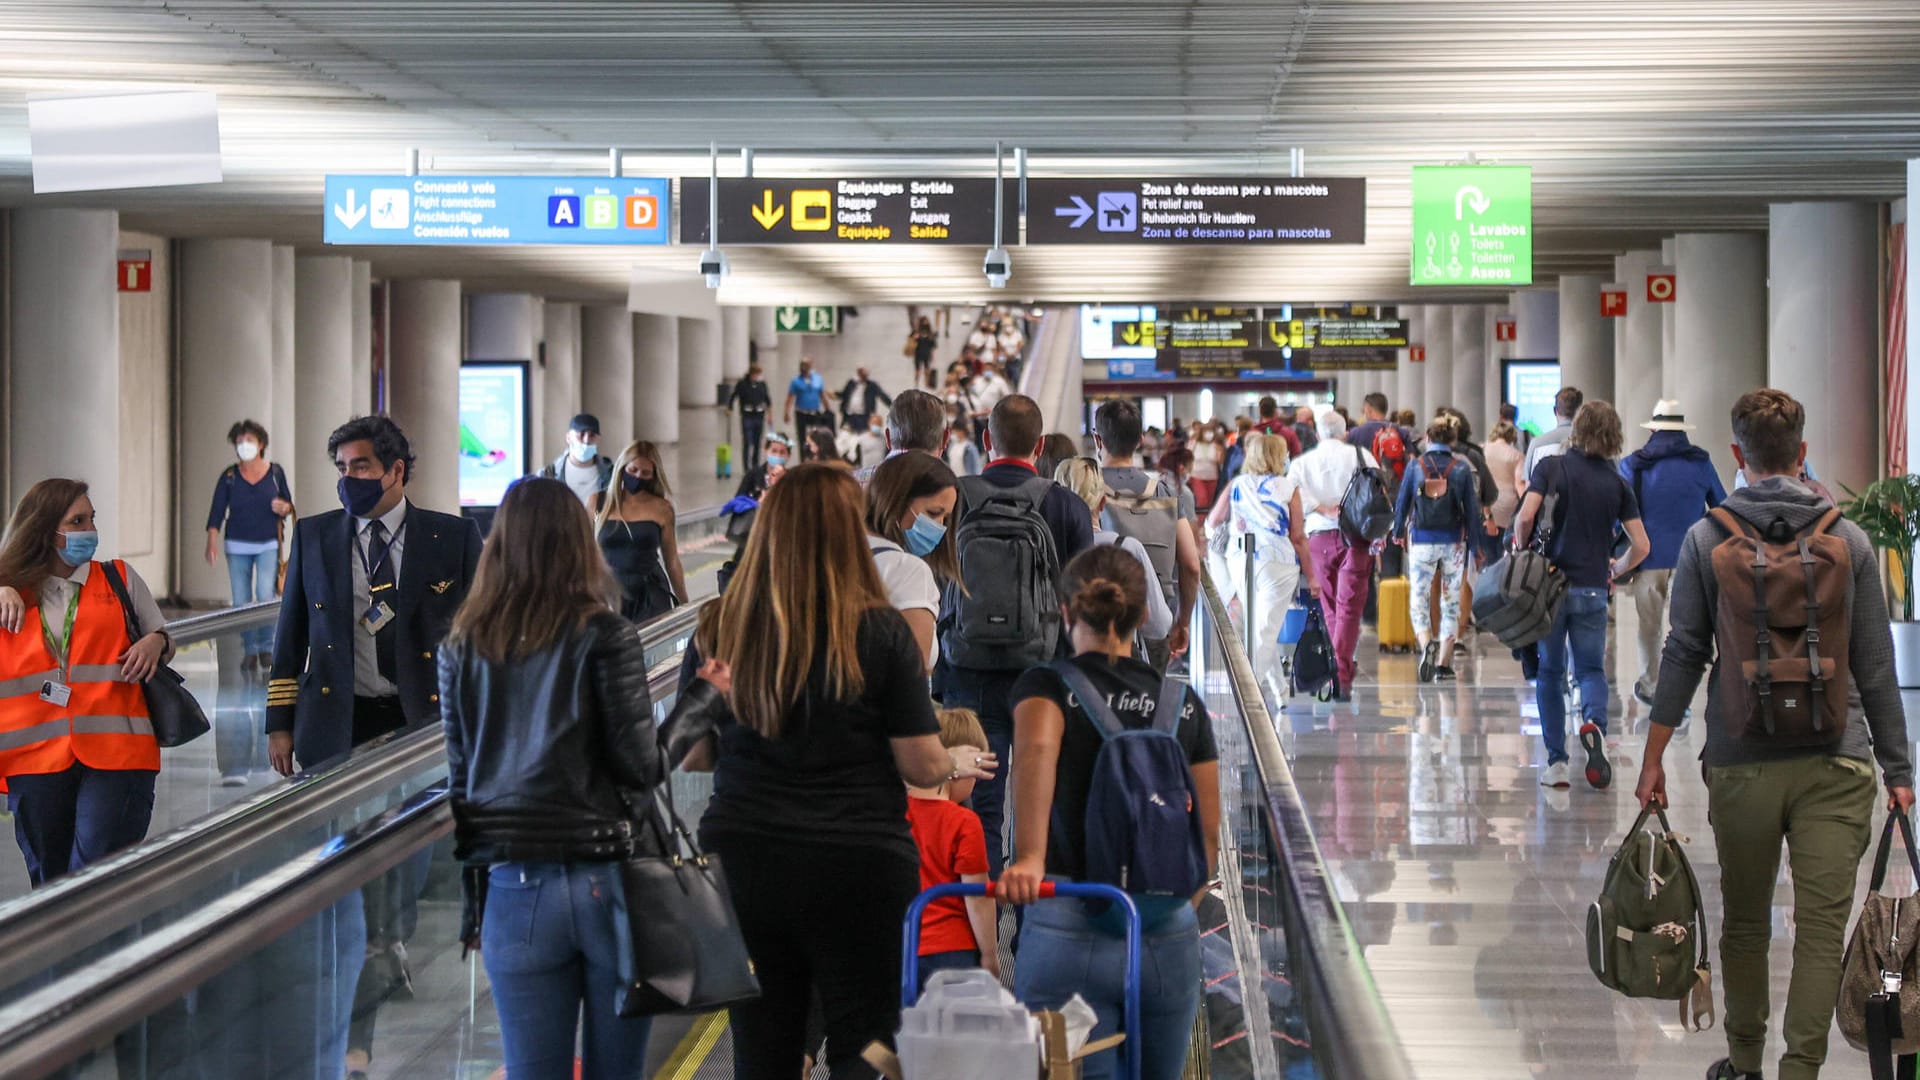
(1675, 484)
(809, 391)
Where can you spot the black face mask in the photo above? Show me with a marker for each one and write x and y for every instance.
(635, 484)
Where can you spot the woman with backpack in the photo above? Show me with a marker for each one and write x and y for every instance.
(1064, 754)
(1436, 517)
(1262, 506)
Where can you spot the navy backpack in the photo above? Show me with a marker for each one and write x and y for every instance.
(1143, 812)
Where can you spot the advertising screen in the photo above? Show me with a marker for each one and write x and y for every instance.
(493, 430)
(1530, 387)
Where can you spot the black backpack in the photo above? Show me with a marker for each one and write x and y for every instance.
(1366, 511)
(1007, 617)
(1441, 511)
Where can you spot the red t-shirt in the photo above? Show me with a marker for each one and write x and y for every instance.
(952, 844)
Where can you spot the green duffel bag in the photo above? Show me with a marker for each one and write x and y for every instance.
(1647, 933)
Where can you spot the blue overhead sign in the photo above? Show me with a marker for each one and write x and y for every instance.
(497, 210)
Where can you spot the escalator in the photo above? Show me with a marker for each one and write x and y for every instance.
(241, 945)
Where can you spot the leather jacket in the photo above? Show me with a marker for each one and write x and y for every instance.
(544, 753)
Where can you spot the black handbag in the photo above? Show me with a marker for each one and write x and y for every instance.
(686, 953)
(172, 709)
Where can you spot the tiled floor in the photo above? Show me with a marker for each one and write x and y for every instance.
(1468, 883)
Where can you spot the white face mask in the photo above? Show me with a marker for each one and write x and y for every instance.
(247, 449)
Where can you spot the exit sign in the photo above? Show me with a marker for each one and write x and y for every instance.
(133, 270)
(1472, 225)
(817, 319)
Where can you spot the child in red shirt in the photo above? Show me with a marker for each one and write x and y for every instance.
(953, 847)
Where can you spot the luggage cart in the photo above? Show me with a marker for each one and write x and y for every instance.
(910, 950)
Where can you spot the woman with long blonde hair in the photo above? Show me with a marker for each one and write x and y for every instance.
(1262, 506)
(830, 720)
(636, 530)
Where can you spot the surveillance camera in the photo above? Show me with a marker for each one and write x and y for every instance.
(713, 266)
(999, 268)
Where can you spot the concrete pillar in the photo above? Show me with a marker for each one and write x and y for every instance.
(285, 424)
(1408, 380)
(1720, 338)
(1823, 339)
(561, 378)
(606, 371)
(1495, 351)
(1637, 348)
(361, 382)
(1436, 383)
(701, 425)
(1586, 339)
(1669, 348)
(226, 375)
(656, 377)
(1536, 316)
(736, 331)
(1470, 367)
(323, 369)
(423, 383)
(509, 326)
(64, 403)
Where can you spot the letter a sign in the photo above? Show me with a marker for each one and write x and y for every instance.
(1660, 283)
(1613, 301)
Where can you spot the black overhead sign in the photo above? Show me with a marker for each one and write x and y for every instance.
(848, 210)
(1195, 210)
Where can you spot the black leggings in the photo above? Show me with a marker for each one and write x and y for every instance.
(817, 918)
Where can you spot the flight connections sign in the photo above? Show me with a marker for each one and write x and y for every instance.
(440, 209)
(1472, 225)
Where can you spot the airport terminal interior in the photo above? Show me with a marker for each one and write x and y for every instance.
(513, 227)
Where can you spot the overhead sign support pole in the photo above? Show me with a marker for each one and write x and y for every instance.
(413, 161)
(713, 262)
(1020, 171)
(614, 168)
(746, 165)
(998, 265)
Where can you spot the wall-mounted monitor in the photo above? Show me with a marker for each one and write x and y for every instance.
(493, 429)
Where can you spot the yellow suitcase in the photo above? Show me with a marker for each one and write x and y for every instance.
(1396, 619)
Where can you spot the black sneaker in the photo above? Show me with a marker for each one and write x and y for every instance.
(1427, 659)
(1594, 741)
(1724, 1070)
(1444, 673)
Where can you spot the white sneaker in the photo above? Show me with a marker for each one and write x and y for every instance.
(1555, 776)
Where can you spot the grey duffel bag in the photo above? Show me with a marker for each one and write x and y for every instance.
(1518, 598)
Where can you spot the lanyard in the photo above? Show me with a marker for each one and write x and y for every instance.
(58, 647)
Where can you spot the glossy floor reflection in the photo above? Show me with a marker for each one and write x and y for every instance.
(1467, 882)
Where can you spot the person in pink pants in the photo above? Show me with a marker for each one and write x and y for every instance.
(1344, 568)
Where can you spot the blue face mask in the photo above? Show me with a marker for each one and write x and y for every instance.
(585, 453)
(361, 494)
(925, 535)
(77, 548)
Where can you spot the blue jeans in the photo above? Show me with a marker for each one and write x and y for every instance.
(1581, 626)
(988, 694)
(551, 941)
(252, 577)
(1062, 954)
(66, 820)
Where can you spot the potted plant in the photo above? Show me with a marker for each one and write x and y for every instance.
(1889, 513)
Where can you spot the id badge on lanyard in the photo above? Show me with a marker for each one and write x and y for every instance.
(56, 691)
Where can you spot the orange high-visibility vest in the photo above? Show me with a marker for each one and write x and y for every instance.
(104, 723)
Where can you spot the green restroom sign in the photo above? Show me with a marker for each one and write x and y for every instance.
(821, 319)
(1472, 225)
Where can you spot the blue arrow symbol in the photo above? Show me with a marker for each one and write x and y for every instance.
(1079, 212)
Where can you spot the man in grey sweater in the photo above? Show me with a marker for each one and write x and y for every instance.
(1820, 801)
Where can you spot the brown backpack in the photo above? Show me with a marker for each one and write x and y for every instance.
(1783, 631)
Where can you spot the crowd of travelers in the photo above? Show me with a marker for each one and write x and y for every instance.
(914, 673)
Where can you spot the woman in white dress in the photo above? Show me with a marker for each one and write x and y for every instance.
(1264, 505)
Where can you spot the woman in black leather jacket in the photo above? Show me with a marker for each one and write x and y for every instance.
(543, 693)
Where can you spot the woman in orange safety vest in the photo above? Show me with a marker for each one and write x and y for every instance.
(77, 753)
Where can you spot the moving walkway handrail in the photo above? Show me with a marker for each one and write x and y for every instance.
(55, 1025)
(1352, 1033)
(50, 924)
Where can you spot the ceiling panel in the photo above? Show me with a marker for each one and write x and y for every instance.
(1639, 118)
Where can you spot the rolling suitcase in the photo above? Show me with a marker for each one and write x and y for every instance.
(1396, 615)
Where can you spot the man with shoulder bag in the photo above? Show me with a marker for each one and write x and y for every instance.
(1345, 492)
(1783, 597)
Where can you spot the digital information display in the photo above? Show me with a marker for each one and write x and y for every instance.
(1472, 225)
(1197, 210)
(1292, 339)
(493, 430)
(849, 210)
(1530, 386)
(438, 209)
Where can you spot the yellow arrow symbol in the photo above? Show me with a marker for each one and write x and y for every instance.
(1130, 334)
(767, 213)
